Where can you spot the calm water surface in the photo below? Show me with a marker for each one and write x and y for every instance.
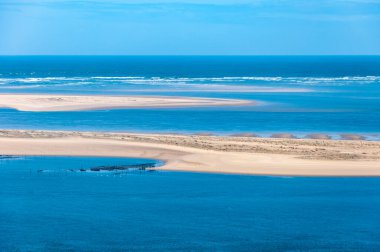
(343, 97)
(45, 206)
(58, 210)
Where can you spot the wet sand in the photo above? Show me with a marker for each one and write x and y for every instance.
(237, 155)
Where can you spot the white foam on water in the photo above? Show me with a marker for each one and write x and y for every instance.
(23, 87)
(199, 82)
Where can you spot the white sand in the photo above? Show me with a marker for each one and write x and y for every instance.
(45, 102)
(240, 155)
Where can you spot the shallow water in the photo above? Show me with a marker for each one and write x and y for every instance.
(82, 211)
(344, 93)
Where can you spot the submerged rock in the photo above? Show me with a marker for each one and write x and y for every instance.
(115, 169)
(8, 156)
(140, 167)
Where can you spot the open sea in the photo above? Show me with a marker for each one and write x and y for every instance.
(48, 204)
(60, 204)
(343, 93)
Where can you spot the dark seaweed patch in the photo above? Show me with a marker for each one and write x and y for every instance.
(140, 167)
(8, 157)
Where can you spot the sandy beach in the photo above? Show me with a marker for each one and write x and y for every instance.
(237, 155)
(44, 102)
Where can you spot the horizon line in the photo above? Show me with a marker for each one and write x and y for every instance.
(182, 55)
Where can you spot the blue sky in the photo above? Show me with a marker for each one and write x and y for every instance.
(189, 27)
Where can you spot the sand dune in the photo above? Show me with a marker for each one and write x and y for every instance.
(78, 102)
(240, 155)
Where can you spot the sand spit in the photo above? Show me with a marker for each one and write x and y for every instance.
(47, 102)
(240, 155)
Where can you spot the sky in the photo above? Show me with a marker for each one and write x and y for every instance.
(189, 27)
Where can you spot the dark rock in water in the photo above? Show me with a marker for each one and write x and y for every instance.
(117, 168)
(7, 156)
(45, 171)
(140, 167)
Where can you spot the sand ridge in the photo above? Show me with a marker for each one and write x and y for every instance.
(239, 155)
(48, 102)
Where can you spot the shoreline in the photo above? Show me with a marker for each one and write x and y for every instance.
(211, 154)
(333, 136)
(59, 102)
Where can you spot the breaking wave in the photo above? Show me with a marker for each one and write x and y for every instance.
(38, 82)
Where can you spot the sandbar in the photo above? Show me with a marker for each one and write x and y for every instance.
(215, 154)
(47, 102)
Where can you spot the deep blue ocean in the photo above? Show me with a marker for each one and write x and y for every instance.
(343, 92)
(48, 204)
(60, 210)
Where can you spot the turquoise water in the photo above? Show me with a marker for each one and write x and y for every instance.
(343, 97)
(57, 204)
(58, 210)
